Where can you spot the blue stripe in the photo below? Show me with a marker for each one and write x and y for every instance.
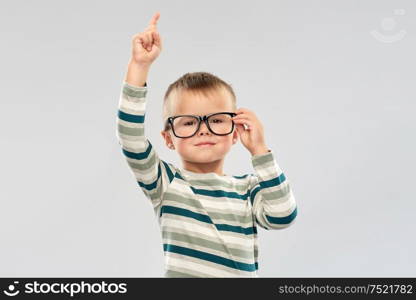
(131, 118)
(140, 155)
(283, 220)
(265, 227)
(204, 218)
(152, 185)
(273, 182)
(266, 184)
(253, 194)
(240, 177)
(168, 171)
(144, 155)
(177, 175)
(220, 193)
(239, 229)
(185, 212)
(209, 257)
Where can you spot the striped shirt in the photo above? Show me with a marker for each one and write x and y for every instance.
(208, 222)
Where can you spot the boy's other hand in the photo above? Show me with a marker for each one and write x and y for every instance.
(147, 45)
(251, 137)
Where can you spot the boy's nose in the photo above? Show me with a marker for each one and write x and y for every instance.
(203, 128)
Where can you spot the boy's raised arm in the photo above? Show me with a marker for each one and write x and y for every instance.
(153, 175)
(136, 74)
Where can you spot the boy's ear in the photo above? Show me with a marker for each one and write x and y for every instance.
(165, 136)
(168, 139)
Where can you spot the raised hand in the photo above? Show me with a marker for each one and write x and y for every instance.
(251, 137)
(147, 45)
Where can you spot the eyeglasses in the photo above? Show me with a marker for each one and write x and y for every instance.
(184, 126)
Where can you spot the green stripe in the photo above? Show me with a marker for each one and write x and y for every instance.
(246, 219)
(209, 257)
(206, 218)
(134, 92)
(182, 199)
(266, 166)
(186, 272)
(275, 195)
(148, 165)
(137, 131)
(241, 188)
(257, 161)
(169, 235)
(175, 274)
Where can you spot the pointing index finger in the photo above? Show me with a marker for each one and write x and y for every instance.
(155, 18)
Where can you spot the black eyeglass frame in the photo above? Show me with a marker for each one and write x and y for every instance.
(170, 120)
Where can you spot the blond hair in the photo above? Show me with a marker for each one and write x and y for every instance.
(202, 82)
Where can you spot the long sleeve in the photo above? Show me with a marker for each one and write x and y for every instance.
(153, 175)
(272, 200)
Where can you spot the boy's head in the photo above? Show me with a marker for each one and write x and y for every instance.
(199, 94)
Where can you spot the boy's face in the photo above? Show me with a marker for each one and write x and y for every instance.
(191, 103)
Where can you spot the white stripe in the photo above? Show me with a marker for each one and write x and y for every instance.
(146, 178)
(265, 172)
(282, 204)
(178, 260)
(132, 107)
(238, 186)
(248, 245)
(280, 210)
(210, 251)
(240, 240)
(206, 211)
(133, 146)
(130, 124)
(237, 206)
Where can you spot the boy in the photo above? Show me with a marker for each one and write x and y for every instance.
(208, 219)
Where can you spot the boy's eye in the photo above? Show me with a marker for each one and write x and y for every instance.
(217, 121)
(189, 123)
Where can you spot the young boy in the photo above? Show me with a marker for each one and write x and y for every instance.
(208, 219)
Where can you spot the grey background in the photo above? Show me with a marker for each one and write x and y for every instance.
(336, 102)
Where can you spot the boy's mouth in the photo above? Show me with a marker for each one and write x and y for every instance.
(205, 144)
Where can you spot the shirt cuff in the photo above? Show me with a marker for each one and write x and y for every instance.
(265, 165)
(135, 87)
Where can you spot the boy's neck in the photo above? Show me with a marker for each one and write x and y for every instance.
(211, 167)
